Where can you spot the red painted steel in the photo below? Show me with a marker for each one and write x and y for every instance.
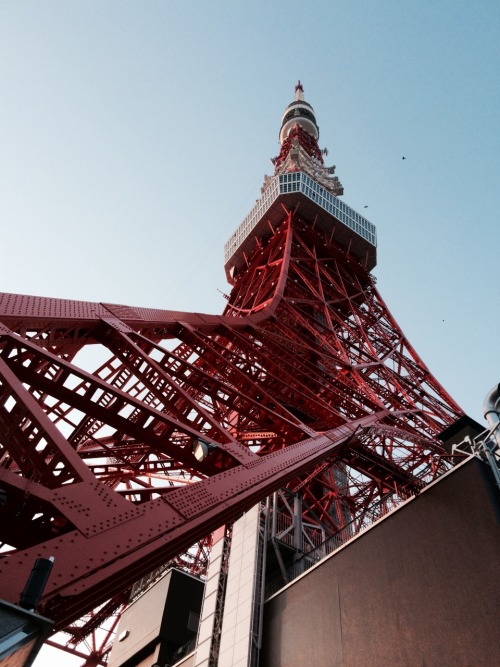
(304, 380)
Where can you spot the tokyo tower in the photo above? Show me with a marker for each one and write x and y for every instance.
(129, 434)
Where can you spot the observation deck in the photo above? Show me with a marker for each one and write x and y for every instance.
(297, 190)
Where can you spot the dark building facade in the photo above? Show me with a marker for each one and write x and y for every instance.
(419, 589)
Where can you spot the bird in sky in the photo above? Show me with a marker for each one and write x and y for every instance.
(403, 158)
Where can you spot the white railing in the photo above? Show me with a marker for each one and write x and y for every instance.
(329, 203)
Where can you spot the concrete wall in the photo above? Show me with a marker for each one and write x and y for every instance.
(238, 607)
(421, 589)
(235, 640)
(207, 619)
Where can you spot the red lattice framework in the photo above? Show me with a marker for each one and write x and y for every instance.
(304, 139)
(305, 380)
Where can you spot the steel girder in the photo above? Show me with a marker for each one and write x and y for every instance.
(305, 380)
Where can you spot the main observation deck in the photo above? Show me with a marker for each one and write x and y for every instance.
(297, 190)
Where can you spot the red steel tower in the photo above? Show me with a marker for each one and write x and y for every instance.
(129, 434)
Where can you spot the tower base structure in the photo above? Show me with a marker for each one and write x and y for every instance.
(418, 587)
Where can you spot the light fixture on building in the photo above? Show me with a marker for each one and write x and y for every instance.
(202, 449)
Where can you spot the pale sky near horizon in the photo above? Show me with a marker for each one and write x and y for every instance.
(134, 138)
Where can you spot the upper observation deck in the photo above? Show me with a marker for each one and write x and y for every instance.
(298, 191)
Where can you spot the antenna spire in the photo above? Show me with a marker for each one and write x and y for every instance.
(299, 91)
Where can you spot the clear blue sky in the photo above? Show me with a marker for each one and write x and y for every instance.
(134, 137)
